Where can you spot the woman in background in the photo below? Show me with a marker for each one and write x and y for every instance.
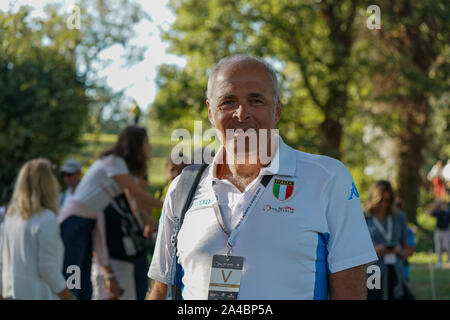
(127, 240)
(82, 219)
(388, 231)
(32, 251)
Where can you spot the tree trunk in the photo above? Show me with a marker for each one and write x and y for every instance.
(331, 136)
(411, 143)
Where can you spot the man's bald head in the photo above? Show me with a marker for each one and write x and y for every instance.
(242, 60)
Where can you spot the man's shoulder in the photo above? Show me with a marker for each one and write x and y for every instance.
(174, 184)
(320, 163)
(172, 187)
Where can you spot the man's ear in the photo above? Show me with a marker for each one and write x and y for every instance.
(210, 116)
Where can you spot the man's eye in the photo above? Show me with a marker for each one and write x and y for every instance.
(227, 104)
(256, 101)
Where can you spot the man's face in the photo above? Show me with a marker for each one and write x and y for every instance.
(71, 180)
(242, 97)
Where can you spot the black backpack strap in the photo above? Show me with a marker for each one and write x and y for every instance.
(185, 190)
(189, 179)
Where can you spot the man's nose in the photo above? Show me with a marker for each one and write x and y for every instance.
(242, 112)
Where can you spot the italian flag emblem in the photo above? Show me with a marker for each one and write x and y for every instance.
(283, 189)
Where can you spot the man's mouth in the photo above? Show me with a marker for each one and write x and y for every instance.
(243, 130)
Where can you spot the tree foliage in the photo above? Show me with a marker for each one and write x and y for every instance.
(43, 101)
(49, 88)
(311, 42)
(412, 68)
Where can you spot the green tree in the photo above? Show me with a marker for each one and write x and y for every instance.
(317, 38)
(43, 101)
(103, 25)
(49, 89)
(337, 76)
(310, 42)
(413, 68)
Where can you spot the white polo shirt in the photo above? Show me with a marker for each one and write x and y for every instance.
(307, 224)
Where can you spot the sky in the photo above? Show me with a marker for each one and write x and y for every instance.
(138, 80)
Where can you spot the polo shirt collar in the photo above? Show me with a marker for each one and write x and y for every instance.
(283, 162)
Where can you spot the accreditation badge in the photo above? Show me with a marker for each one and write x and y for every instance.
(128, 245)
(390, 258)
(225, 277)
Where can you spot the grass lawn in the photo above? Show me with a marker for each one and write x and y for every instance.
(421, 286)
(420, 277)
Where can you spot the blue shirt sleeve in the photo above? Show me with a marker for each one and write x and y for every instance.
(411, 240)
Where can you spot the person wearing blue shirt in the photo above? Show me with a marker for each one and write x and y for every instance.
(410, 240)
(442, 232)
(388, 230)
(407, 253)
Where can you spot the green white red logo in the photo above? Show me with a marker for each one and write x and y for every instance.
(283, 189)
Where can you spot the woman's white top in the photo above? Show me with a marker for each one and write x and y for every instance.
(97, 188)
(32, 254)
(93, 194)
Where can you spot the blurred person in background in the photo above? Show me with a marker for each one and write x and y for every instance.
(172, 171)
(446, 174)
(6, 199)
(436, 176)
(82, 218)
(126, 241)
(140, 261)
(71, 175)
(442, 232)
(411, 243)
(388, 230)
(32, 252)
(134, 114)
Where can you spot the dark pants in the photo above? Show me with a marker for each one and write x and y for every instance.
(377, 294)
(76, 233)
(140, 276)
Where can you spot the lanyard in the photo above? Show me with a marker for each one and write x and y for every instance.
(256, 195)
(388, 236)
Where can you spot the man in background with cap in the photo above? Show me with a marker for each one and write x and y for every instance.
(71, 174)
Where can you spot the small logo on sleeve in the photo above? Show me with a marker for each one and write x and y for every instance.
(201, 203)
(354, 192)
